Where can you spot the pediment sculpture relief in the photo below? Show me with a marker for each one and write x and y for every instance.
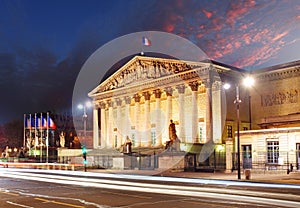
(143, 70)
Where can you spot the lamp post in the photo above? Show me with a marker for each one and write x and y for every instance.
(248, 81)
(237, 102)
(84, 117)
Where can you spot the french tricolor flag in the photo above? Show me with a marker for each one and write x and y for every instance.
(146, 41)
(51, 124)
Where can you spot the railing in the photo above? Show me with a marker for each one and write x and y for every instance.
(9, 162)
(258, 161)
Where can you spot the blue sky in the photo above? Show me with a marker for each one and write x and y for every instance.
(44, 43)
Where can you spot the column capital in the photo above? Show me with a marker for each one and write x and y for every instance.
(207, 83)
(118, 101)
(137, 98)
(157, 93)
(194, 86)
(110, 103)
(102, 105)
(127, 99)
(169, 91)
(146, 95)
(180, 89)
(217, 85)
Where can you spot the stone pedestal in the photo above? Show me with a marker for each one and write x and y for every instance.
(229, 151)
(119, 163)
(171, 160)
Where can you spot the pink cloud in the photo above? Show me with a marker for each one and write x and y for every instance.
(237, 44)
(279, 36)
(246, 38)
(217, 23)
(237, 10)
(169, 27)
(207, 13)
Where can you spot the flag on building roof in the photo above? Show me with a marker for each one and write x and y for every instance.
(146, 41)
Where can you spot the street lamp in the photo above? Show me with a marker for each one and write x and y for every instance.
(248, 82)
(84, 117)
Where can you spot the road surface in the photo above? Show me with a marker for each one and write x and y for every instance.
(31, 188)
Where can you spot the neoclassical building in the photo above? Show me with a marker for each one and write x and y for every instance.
(140, 98)
(274, 140)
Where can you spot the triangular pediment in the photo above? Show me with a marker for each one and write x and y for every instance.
(141, 69)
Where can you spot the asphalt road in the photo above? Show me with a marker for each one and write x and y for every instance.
(42, 188)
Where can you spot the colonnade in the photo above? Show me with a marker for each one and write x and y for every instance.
(127, 116)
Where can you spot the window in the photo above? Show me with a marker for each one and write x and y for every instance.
(133, 138)
(116, 141)
(229, 131)
(272, 151)
(201, 134)
(153, 136)
(245, 128)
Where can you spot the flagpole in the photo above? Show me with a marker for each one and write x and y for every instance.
(41, 141)
(30, 134)
(35, 134)
(24, 132)
(142, 52)
(47, 138)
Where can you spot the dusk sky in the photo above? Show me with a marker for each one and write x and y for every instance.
(44, 43)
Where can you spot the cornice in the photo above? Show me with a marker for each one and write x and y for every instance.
(279, 74)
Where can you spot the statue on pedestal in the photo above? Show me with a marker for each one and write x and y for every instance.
(174, 142)
(127, 145)
(62, 139)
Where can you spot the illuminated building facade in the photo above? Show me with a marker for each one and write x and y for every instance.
(274, 141)
(140, 98)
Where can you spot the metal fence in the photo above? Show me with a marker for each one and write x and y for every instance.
(267, 161)
(215, 161)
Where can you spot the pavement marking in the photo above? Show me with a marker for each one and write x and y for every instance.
(60, 203)
(19, 205)
(131, 195)
(208, 204)
(9, 193)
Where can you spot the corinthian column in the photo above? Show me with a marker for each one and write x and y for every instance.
(181, 90)
(169, 92)
(217, 114)
(209, 121)
(194, 88)
(137, 99)
(109, 141)
(95, 127)
(146, 137)
(126, 121)
(157, 94)
(103, 125)
(118, 122)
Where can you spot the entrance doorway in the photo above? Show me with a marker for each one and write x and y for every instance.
(298, 155)
(247, 156)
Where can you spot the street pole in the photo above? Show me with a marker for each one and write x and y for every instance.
(84, 122)
(237, 102)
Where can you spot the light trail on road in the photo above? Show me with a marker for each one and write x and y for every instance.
(192, 191)
(161, 179)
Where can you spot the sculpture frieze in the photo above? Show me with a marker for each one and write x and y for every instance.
(279, 98)
(144, 70)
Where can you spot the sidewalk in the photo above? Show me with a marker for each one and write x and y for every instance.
(291, 178)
